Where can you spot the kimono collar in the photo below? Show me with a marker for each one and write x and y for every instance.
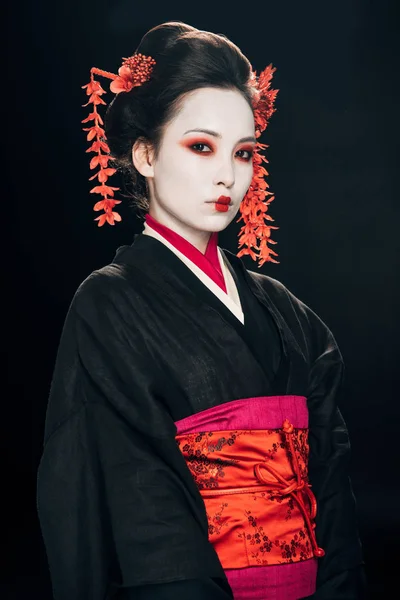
(207, 262)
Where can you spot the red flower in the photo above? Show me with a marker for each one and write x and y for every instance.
(107, 204)
(103, 175)
(93, 132)
(95, 99)
(100, 159)
(93, 116)
(103, 189)
(124, 82)
(97, 146)
(110, 217)
(93, 87)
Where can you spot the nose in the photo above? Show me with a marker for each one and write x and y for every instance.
(225, 173)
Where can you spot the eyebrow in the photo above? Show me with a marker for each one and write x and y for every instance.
(218, 135)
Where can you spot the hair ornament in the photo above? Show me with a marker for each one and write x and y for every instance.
(255, 234)
(134, 71)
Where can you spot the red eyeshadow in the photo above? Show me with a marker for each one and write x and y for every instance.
(190, 142)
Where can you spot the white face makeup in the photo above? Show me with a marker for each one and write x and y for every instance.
(196, 167)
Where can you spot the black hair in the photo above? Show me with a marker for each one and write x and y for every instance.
(186, 59)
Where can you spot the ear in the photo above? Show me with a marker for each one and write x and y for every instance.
(142, 157)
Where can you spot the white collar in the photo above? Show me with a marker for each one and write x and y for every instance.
(230, 299)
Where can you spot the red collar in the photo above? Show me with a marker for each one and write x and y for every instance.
(207, 262)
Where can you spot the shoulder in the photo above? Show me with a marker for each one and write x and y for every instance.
(300, 317)
(106, 282)
(280, 293)
(289, 305)
(105, 294)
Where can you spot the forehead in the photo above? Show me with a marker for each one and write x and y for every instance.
(220, 110)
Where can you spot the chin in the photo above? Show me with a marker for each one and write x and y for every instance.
(218, 222)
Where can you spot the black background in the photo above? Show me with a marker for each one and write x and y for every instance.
(332, 163)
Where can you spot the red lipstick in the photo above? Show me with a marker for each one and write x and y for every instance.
(222, 204)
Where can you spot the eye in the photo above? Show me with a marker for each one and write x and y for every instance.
(248, 154)
(197, 147)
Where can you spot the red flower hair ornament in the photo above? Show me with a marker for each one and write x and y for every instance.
(255, 234)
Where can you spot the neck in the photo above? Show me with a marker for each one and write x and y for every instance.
(207, 248)
(198, 239)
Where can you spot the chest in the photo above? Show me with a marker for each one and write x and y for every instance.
(203, 356)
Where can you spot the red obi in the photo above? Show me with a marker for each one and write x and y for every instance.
(249, 460)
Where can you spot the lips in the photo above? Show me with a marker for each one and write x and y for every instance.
(222, 204)
(224, 200)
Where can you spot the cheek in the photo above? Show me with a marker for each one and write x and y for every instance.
(167, 172)
(245, 175)
(176, 176)
(179, 162)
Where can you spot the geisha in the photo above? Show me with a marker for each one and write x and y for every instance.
(193, 444)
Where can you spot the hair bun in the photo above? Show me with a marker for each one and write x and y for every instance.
(161, 38)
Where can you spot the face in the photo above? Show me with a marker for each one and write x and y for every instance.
(205, 153)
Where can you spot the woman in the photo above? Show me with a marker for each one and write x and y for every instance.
(177, 459)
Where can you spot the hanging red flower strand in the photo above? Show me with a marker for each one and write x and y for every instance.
(254, 205)
(134, 71)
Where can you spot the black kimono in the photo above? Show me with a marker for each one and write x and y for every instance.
(146, 345)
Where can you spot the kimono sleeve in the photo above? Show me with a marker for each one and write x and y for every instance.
(340, 572)
(118, 508)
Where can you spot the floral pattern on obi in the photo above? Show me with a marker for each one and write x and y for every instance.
(258, 500)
